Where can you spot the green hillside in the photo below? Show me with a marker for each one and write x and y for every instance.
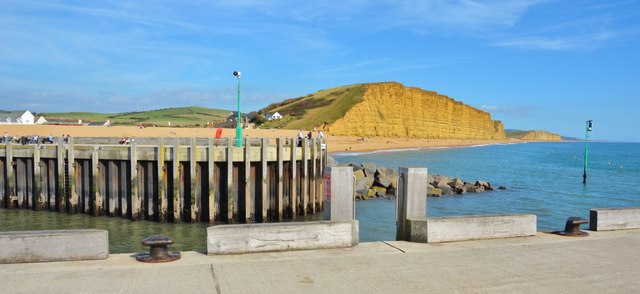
(180, 116)
(325, 106)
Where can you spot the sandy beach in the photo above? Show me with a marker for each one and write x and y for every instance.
(335, 143)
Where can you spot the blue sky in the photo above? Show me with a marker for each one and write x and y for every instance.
(538, 64)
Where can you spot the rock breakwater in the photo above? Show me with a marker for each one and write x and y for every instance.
(374, 181)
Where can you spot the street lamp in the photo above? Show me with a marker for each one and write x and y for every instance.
(588, 128)
(238, 127)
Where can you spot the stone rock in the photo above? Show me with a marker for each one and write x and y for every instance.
(380, 191)
(430, 178)
(446, 190)
(460, 190)
(440, 181)
(331, 161)
(456, 183)
(502, 188)
(384, 181)
(476, 189)
(370, 194)
(356, 167)
(364, 183)
(369, 168)
(433, 192)
(359, 174)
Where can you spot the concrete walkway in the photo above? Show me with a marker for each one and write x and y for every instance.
(605, 262)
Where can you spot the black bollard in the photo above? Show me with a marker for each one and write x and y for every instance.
(572, 227)
(158, 251)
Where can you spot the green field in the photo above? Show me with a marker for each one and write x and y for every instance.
(178, 117)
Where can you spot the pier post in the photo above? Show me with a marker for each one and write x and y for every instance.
(162, 182)
(339, 200)
(52, 194)
(280, 177)
(248, 211)
(230, 184)
(61, 192)
(73, 194)
(37, 183)
(304, 176)
(11, 180)
(263, 179)
(177, 202)
(212, 185)
(411, 200)
(294, 180)
(97, 182)
(135, 194)
(314, 178)
(21, 181)
(194, 192)
(112, 182)
(3, 184)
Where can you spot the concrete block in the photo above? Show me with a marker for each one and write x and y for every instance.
(61, 245)
(339, 198)
(609, 219)
(247, 238)
(462, 228)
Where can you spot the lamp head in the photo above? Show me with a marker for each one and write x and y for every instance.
(589, 125)
(236, 74)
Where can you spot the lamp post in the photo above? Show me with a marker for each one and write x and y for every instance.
(588, 127)
(238, 127)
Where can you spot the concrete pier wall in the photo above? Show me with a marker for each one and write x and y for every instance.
(609, 219)
(250, 238)
(473, 227)
(167, 179)
(61, 245)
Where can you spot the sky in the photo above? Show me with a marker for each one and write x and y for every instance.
(533, 64)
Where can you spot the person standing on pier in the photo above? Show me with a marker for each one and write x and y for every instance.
(6, 138)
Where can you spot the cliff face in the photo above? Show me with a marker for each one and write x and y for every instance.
(392, 110)
(541, 136)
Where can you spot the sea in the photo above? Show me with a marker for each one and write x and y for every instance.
(544, 179)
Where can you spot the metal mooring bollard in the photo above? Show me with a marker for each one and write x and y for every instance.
(158, 250)
(572, 227)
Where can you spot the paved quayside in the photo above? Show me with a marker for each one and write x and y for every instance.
(604, 262)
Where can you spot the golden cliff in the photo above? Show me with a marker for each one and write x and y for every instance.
(541, 136)
(393, 110)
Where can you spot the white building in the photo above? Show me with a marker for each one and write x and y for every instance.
(17, 117)
(272, 116)
(41, 120)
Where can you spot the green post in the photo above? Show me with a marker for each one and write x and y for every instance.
(586, 149)
(238, 126)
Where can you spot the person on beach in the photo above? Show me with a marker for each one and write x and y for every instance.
(51, 138)
(309, 136)
(320, 134)
(299, 138)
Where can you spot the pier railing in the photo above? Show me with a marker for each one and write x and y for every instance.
(167, 179)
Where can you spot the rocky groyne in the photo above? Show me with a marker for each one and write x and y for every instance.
(374, 181)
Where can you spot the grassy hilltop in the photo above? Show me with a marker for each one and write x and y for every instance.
(325, 106)
(179, 116)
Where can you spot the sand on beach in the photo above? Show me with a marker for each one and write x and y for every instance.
(335, 143)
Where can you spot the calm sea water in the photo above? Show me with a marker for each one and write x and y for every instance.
(542, 178)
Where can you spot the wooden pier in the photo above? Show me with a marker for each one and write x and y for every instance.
(167, 179)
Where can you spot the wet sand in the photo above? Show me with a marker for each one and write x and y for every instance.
(335, 143)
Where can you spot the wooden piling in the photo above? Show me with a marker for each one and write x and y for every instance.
(212, 184)
(177, 202)
(262, 183)
(162, 182)
(279, 143)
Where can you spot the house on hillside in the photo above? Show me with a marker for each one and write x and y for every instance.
(17, 117)
(41, 120)
(272, 116)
